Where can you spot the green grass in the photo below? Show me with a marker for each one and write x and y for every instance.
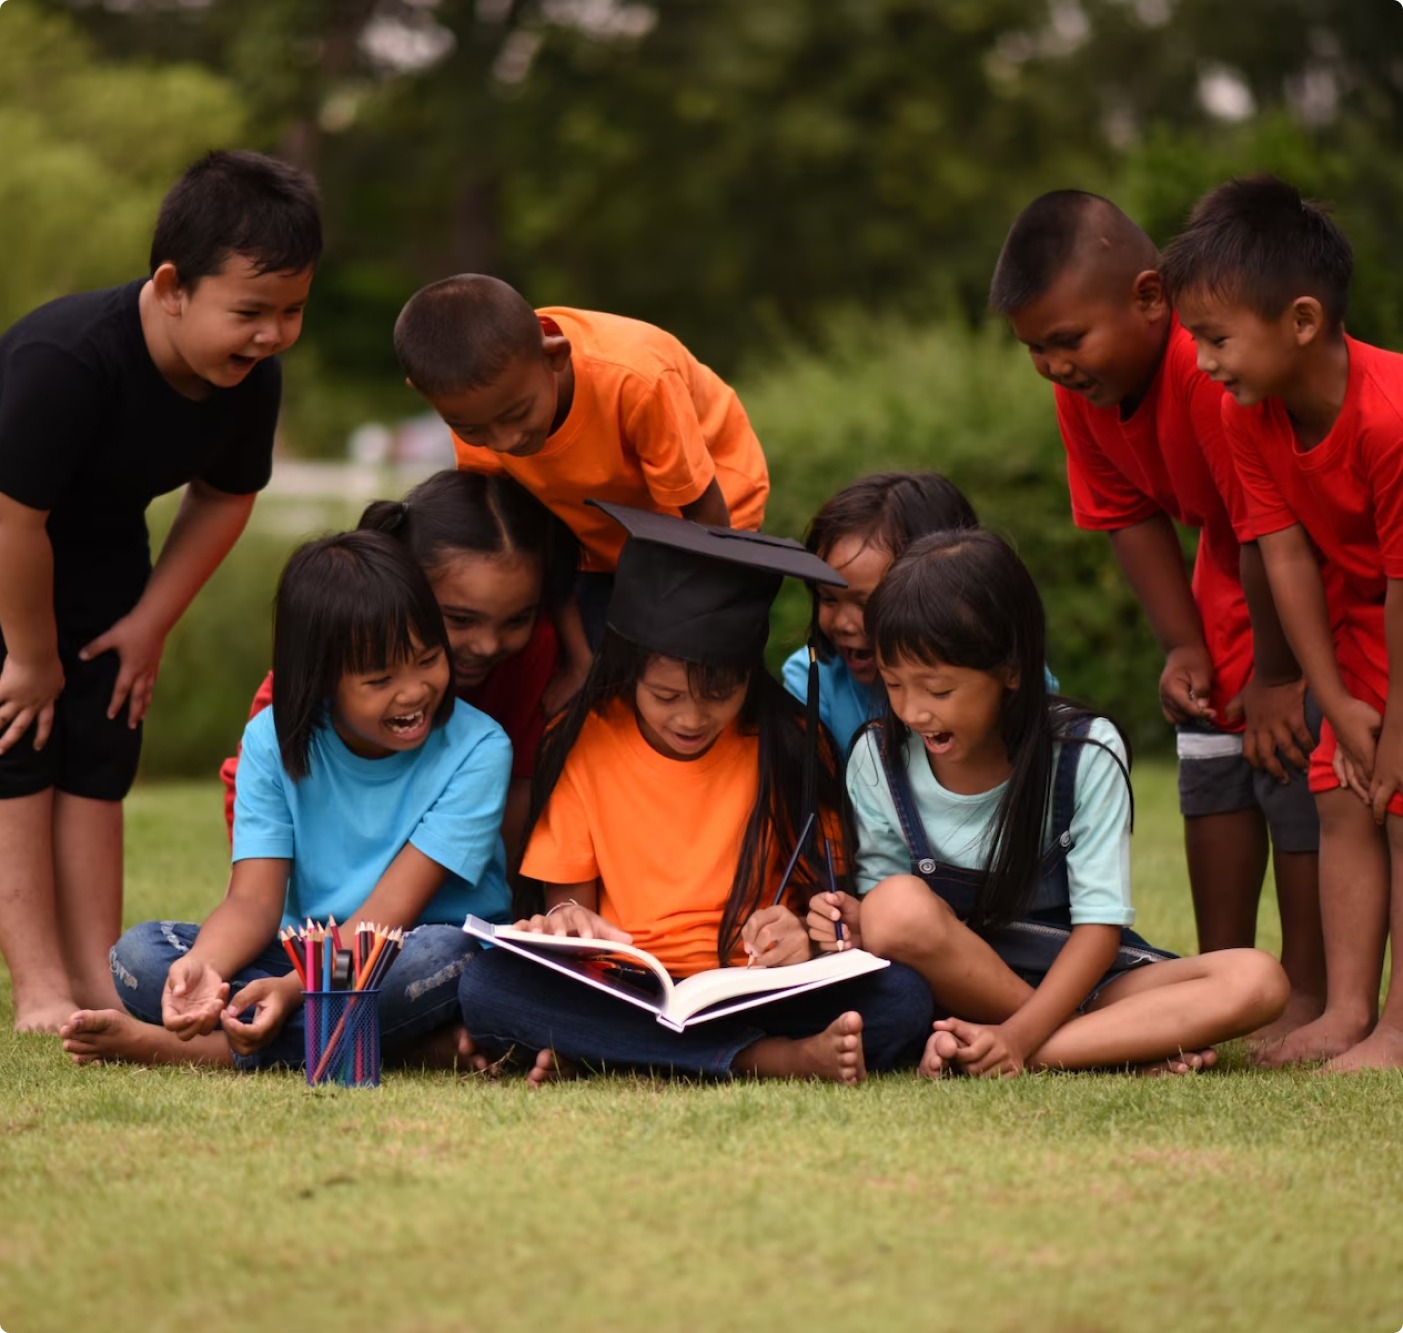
(146, 1199)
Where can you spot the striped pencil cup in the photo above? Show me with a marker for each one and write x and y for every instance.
(343, 1037)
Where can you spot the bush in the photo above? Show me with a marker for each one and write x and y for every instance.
(967, 404)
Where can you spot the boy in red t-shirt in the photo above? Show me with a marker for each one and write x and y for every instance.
(1141, 426)
(1314, 421)
(577, 405)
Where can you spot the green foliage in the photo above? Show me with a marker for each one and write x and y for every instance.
(883, 396)
(90, 148)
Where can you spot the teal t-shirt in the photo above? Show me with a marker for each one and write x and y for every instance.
(344, 823)
(959, 827)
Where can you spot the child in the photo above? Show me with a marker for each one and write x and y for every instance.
(367, 792)
(108, 399)
(500, 565)
(1079, 282)
(1261, 279)
(668, 798)
(994, 843)
(577, 405)
(859, 532)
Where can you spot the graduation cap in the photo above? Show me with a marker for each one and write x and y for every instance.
(701, 593)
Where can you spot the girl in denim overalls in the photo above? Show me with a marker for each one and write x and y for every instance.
(994, 843)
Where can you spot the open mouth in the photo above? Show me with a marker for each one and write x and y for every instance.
(938, 742)
(406, 724)
(860, 661)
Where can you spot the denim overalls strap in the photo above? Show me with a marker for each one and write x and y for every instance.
(958, 885)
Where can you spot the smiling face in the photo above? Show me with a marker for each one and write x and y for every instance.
(1251, 357)
(386, 712)
(1094, 337)
(489, 606)
(840, 610)
(516, 413)
(677, 722)
(231, 320)
(956, 713)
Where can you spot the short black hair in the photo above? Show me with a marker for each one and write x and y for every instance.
(350, 603)
(471, 513)
(1256, 241)
(238, 203)
(461, 333)
(1057, 230)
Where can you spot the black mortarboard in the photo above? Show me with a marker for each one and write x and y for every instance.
(699, 593)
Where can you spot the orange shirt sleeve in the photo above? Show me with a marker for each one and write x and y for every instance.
(662, 425)
(561, 850)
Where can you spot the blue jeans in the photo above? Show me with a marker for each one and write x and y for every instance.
(418, 995)
(507, 1000)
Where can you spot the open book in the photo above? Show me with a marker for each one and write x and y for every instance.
(636, 976)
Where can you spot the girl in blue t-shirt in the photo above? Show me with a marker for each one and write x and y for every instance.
(993, 824)
(860, 532)
(367, 792)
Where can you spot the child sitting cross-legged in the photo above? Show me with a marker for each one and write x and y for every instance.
(993, 855)
(366, 792)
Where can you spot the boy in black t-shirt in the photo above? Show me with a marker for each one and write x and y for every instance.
(108, 399)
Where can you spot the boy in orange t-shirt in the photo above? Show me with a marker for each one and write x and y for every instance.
(1314, 419)
(1141, 425)
(577, 405)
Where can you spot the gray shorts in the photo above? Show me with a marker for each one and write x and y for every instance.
(1214, 779)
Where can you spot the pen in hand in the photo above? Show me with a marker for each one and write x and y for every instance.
(833, 889)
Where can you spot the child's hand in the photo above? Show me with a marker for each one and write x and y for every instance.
(572, 919)
(1185, 683)
(27, 694)
(1275, 718)
(193, 998)
(1388, 771)
(775, 937)
(1357, 727)
(824, 910)
(938, 1059)
(982, 1050)
(272, 1000)
(138, 646)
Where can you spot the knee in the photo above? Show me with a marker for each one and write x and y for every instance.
(482, 986)
(1259, 985)
(902, 917)
(140, 961)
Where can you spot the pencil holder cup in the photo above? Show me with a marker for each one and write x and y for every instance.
(343, 1037)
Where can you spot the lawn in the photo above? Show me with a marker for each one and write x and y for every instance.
(136, 1199)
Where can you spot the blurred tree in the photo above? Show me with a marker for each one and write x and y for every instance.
(90, 148)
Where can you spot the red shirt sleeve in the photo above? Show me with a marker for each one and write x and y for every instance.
(1103, 499)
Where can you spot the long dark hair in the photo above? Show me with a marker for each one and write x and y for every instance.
(455, 513)
(770, 713)
(351, 603)
(888, 510)
(965, 599)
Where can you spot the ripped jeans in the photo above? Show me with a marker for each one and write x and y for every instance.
(418, 995)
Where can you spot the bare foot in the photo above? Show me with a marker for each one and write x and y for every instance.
(1381, 1049)
(91, 1036)
(1186, 1062)
(1327, 1037)
(939, 1053)
(835, 1054)
(48, 1015)
(1300, 1010)
(450, 1047)
(550, 1068)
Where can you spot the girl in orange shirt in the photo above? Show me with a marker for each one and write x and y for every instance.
(665, 803)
